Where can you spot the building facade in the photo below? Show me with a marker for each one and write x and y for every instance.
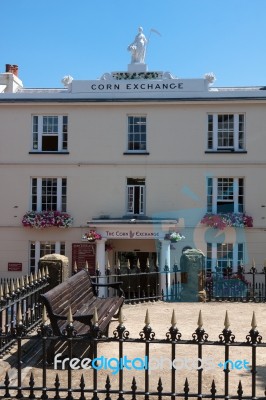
(133, 156)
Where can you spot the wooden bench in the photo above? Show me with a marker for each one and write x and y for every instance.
(79, 292)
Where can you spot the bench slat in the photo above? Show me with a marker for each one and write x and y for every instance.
(79, 293)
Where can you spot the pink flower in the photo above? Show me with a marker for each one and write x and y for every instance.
(221, 221)
(47, 219)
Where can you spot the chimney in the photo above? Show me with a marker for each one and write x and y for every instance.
(12, 68)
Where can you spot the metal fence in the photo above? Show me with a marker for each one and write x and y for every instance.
(153, 283)
(138, 284)
(21, 293)
(80, 379)
(247, 284)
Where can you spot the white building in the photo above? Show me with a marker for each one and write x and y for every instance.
(134, 155)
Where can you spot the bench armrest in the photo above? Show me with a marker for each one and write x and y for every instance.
(114, 285)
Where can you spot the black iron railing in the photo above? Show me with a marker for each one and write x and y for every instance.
(21, 293)
(154, 283)
(70, 377)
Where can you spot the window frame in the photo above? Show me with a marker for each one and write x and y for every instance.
(212, 256)
(36, 252)
(131, 131)
(39, 135)
(137, 193)
(237, 196)
(38, 195)
(237, 133)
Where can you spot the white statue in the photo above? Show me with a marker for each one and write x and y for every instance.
(138, 48)
(211, 78)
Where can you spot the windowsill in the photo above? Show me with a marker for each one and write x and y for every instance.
(48, 152)
(135, 153)
(229, 151)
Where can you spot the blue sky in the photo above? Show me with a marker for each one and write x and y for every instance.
(49, 39)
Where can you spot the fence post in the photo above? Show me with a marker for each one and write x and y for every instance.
(19, 331)
(226, 337)
(200, 336)
(147, 334)
(254, 338)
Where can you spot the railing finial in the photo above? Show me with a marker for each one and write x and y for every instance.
(86, 266)
(173, 319)
(1, 293)
(226, 320)
(254, 321)
(147, 318)
(69, 316)
(200, 320)
(44, 316)
(95, 317)
(6, 290)
(19, 315)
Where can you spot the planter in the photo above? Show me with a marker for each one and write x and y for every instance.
(47, 219)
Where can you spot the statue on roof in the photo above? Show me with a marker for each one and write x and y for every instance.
(138, 48)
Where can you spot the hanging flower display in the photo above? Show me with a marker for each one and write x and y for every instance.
(221, 221)
(108, 247)
(91, 236)
(47, 219)
(174, 237)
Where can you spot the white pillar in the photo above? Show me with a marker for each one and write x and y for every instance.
(165, 261)
(100, 260)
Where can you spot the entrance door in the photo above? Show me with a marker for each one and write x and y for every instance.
(143, 283)
(134, 256)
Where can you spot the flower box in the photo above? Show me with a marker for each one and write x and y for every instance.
(221, 221)
(47, 219)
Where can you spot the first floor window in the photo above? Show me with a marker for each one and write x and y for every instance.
(221, 256)
(226, 132)
(135, 196)
(50, 133)
(225, 195)
(137, 133)
(40, 249)
(48, 194)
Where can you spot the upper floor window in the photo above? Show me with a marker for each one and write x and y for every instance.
(137, 129)
(135, 196)
(226, 132)
(225, 195)
(48, 194)
(50, 133)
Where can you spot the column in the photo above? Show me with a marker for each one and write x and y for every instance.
(165, 261)
(100, 260)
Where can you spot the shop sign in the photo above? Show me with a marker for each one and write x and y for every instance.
(82, 253)
(131, 234)
(14, 266)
